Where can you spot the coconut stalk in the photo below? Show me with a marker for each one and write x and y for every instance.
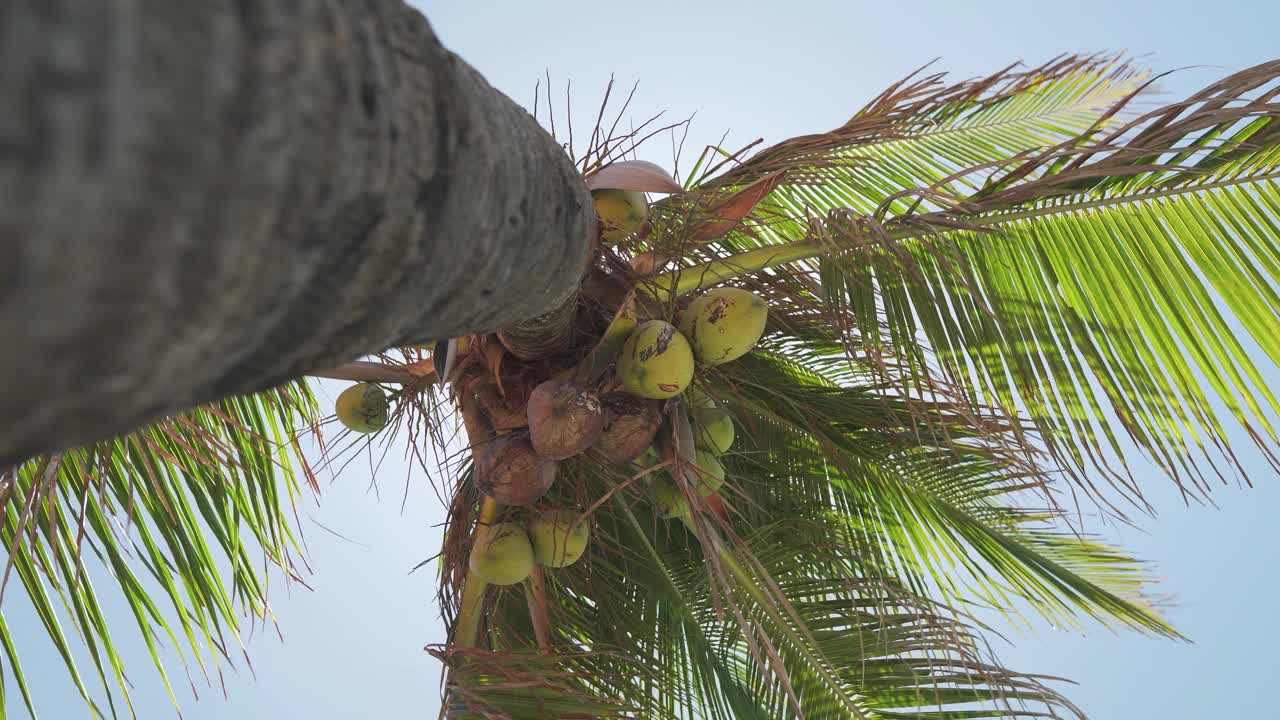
(676, 283)
(364, 371)
(535, 593)
(466, 629)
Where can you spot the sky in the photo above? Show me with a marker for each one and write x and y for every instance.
(353, 643)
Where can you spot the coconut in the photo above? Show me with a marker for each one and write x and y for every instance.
(697, 400)
(668, 501)
(724, 324)
(502, 554)
(707, 474)
(656, 361)
(564, 419)
(630, 425)
(559, 538)
(511, 472)
(504, 413)
(362, 408)
(713, 430)
(621, 212)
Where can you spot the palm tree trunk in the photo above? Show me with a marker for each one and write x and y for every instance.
(205, 199)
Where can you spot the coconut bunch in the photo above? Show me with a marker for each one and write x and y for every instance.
(612, 421)
(596, 401)
(618, 393)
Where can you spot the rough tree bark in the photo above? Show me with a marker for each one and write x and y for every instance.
(200, 199)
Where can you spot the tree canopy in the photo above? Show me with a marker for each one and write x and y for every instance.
(982, 297)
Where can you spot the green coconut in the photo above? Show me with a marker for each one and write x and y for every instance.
(656, 361)
(559, 538)
(362, 408)
(723, 324)
(502, 554)
(697, 400)
(668, 501)
(713, 430)
(621, 212)
(708, 473)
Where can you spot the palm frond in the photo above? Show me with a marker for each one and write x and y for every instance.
(955, 517)
(922, 132)
(177, 518)
(818, 608)
(1084, 276)
(949, 258)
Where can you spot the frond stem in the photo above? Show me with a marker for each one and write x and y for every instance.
(687, 280)
(467, 628)
(365, 371)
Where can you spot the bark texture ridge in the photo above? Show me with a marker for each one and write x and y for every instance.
(205, 199)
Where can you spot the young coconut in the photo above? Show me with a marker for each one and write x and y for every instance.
(697, 400)
(564, 419)
(707, 475)
(656, 361)
(621, 212)
(502, 554)
(724, 324)
(630, 426)
(559, 538)
(668, 500)
(510, 471)
(713, 430)
(362, 408)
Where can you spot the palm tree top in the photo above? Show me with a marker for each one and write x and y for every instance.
(982, 297)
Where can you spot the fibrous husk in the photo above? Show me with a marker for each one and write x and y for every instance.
(511, 472)
(504, 413)
(564, 419)
(630, 426)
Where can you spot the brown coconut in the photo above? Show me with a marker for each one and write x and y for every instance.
(564, 419)
(504, 413)
(511, 472)
(630, 427)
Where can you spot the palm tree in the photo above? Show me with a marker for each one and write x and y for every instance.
(981, 296)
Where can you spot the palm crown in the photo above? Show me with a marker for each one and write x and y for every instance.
(979, 294)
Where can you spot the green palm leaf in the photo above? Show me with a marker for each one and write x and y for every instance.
(803, 618)
(967, 283)
(175, 518)
(924, 133)
(1106, 275)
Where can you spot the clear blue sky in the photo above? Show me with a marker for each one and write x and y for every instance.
(353, 646)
